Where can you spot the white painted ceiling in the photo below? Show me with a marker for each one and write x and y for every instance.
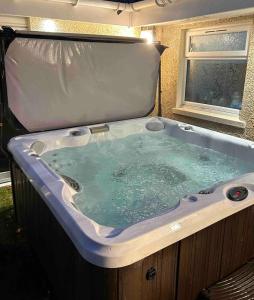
(181, 9)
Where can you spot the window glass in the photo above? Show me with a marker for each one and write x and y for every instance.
(216, 82)
(231, 41)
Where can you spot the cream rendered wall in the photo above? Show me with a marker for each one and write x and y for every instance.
(173, 37)
(40, 24)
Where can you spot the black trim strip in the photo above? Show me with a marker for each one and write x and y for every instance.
(8, 32)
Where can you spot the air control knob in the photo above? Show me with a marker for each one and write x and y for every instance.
(238, 193)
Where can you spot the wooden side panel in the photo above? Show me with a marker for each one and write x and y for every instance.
(130, 282)
(134, 285)
(199, 264)
(169, 265)
(215, 252)
(92, 283)
(238, 245)
(70, 275)
(16, 187)
(104, 283)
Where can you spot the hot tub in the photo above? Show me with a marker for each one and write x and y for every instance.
(118, 205)
(125, 190)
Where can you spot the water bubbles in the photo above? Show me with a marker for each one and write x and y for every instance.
(128, 180)
(204, 157)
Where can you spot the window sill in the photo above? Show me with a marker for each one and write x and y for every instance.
(212, 116)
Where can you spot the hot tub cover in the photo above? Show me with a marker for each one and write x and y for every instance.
(61, 83)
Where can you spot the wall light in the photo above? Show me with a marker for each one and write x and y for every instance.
(48, 25)
(148, 35)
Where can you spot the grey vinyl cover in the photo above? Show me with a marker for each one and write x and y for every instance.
(55, 84)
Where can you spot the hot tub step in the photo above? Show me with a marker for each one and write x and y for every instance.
(238, 285)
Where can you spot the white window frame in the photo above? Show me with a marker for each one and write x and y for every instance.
(217, 30)
(213, 55)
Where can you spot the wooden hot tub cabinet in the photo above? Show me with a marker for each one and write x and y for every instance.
(179, 271)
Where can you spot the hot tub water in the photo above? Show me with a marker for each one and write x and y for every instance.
(124, 181)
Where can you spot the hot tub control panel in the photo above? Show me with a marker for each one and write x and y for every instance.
(238, 193)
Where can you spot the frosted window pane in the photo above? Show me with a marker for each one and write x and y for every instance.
(232, 41)
(216, 82)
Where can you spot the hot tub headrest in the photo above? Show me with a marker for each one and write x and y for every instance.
(61, 83)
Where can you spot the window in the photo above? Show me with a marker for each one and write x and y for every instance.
(214, 69)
